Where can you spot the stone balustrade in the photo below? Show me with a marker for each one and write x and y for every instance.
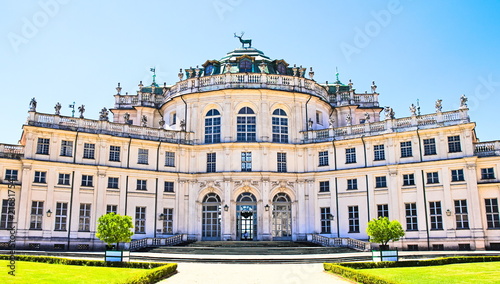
(156, 242)
(339, 242)
(486, 149)
(11, 151)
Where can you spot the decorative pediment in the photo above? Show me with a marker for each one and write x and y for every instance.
(282, 184)
(245, 56)
(208, 62)
(277, 62)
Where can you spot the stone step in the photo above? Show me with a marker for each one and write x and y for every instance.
(250, 250)
(250, 244)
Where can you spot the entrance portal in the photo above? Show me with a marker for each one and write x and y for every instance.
(246, 214)
(211, 221)
(282, 217)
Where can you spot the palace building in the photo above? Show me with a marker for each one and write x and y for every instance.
(251, 148)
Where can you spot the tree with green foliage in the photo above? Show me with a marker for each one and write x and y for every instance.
(113, 228)
(382, 230)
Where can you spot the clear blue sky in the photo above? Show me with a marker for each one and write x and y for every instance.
(68, 50)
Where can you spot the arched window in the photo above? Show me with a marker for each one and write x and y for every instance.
(246, 212)
(280, 126)
(246, 125)
(245, 65)
(246, 197)
(211, 221)
(212, 126)
(282, 217)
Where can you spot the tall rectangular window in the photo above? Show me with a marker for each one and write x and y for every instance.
(353, 219)
(40, 177)
(88, 151)
(352, 184)
(432, 178)
(114, 153)
(64, 179)
(381, 182)
(457, 175)
(67, 148)
(436, 215)
(140, 220)
(142, 184)
(113, 182)
(36, 215)
(168, 220)
(7, 206)
(87, 180)
(61, 216)
(324, 186)
(111, 209)
(487, 173)
(411, 216)
(430, 146)
(454, 144)
(408, 179)
(350, 155)
(281, 162)
(379, 152)
(142, 157)
(326, 222)
(168, 186)
(406, 150)
(169, 159)
(84, 220)
(492, 215)
(383, 210)
(42, 146)
(246, 161)
(11, 175)
(461, 214)
(323, 158)
(211, 162)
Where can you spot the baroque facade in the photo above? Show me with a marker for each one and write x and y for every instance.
(250, 148)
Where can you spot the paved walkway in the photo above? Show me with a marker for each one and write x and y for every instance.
(213, 273)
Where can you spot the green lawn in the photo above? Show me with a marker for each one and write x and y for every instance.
(36, 272)
(466, 273)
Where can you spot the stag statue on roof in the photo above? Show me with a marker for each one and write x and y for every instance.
(244, 41)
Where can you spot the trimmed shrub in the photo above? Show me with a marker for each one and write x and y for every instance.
(154, 275)
(427, 262)
(355, 275)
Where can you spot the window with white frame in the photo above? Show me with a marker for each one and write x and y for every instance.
(36, 215)
(87, 180)
(168, 186)
(353, 219)
(326, 222)
(432, 177)
(411, 216)
(406, 150)
(66, 148)
(454, 144)
(492, 214)
(280, 126)
(40, 177)
(319, 118)
(5, 221)
(246, 161)
(380, 182)
(430, 146)
(142, 157)
(114, 153)
(61, 216)
(140, 220)
(64, 179)
(350, 155)
(212, 126)
(168, 221)
(383, 210)
(461, 214)
(84, 220)
(246, 127)
(457, 175)
(324, 186)
(379, 152)
(111, 209)
(436, 215)
(113, 182)
(487, 173)
(142, 184)
(281, 162)
(42, 146)
(352, 184)
(11, 175)
(169, 159)
(88, 151)
(408, 179)
(211, 162)
(323, 158)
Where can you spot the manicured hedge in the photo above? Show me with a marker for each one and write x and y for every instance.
(156, 271)
(352, 270)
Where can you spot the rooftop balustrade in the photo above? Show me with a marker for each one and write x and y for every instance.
(11, 151)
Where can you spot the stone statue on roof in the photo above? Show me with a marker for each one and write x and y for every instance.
(463, 102)
(348, 119)
(389, 113)
(57, 108)
(33, 104)
(144, 121)
(439, 105)
(81, 109)
(183, 125)
(413, 110)
(103, 115)
(367, 117)
(126, 118)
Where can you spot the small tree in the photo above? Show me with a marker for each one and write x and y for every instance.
(113, 228)
(382, 231)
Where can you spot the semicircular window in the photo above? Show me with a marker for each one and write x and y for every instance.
(246, 197)
(246, 125)
(211, 197)
(281, 69)
(280, 126)
(245, 65)
(212, 126)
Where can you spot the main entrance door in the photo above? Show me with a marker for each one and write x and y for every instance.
(282, 217)
(246, 214)
(211, 221)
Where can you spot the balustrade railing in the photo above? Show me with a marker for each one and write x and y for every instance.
(485, 149)
(155, 242)
(11, 151)
(339, 242)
